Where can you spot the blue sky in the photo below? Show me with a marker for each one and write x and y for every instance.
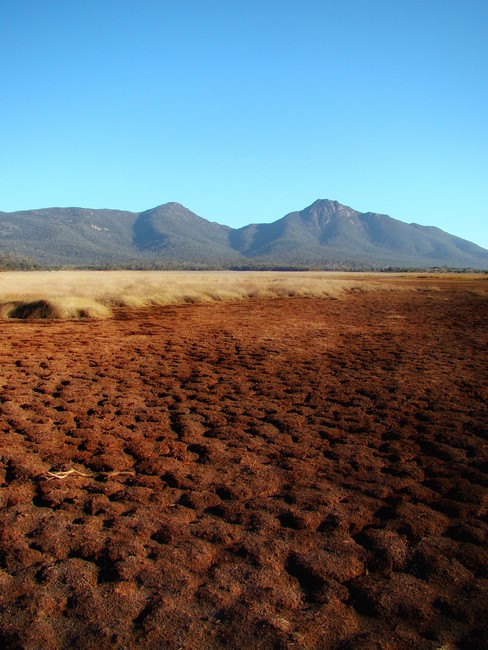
(245, 110)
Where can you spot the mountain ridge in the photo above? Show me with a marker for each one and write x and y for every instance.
(325, 234)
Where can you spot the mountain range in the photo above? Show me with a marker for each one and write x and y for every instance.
(325, 235)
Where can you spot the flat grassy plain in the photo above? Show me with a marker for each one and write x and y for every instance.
(303, 469)
(95, 294)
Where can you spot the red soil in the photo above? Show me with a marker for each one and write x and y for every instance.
(301, 473)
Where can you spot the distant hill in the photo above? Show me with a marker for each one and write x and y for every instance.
(326, 234)
(68, 236)
(327, 230)
(172, 231)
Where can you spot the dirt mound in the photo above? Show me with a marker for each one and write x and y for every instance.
(300, 473)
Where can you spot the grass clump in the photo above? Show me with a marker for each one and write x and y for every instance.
(66, 308)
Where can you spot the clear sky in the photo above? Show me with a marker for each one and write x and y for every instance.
(245, 110)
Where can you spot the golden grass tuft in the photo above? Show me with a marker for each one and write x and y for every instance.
(63, 308)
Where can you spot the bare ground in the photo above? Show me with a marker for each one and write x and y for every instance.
(297, 473)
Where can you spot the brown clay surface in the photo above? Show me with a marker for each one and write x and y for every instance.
(297, 473)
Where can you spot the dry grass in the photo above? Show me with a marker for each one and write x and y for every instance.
(56, 307)
(94, 294)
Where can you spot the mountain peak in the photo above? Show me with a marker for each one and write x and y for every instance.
(172, 207)
(325, 203)
(328, 206)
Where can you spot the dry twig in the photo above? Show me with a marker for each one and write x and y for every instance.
(62, 475)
